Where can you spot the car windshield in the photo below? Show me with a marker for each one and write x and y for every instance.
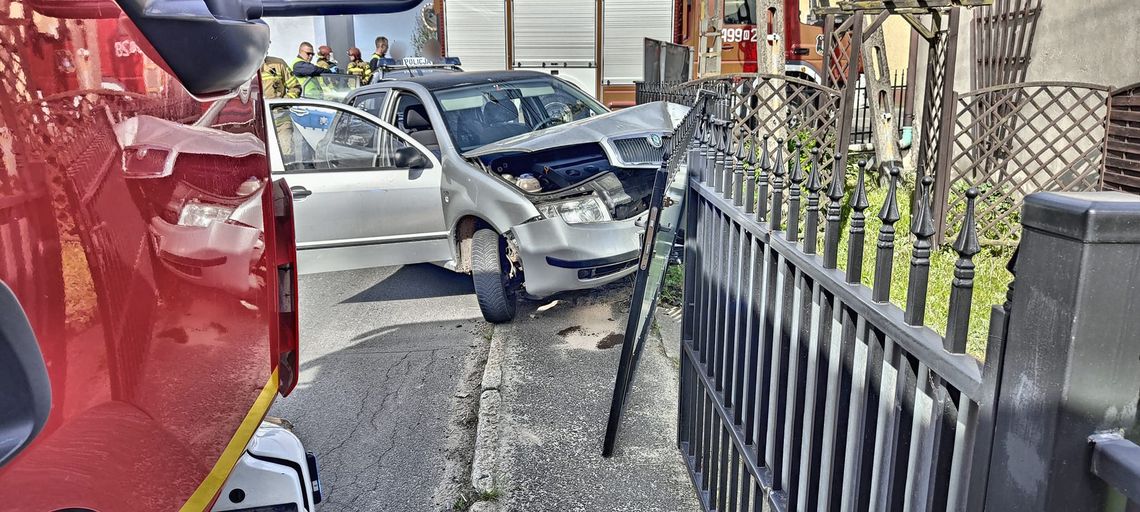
(477, 115)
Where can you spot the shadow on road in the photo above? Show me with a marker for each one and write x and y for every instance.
(416, 282)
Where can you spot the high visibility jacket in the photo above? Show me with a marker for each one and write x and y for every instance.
(277, 81)
(361, 69)
(374, 62)
(310, 83)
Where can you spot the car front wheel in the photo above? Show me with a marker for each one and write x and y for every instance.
(490, 271)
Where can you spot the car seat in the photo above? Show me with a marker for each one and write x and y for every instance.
(417, 125)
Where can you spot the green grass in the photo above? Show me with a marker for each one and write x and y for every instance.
(990, 281)
(991, 278)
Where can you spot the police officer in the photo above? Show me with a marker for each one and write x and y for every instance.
(381, 53)
(306, 71)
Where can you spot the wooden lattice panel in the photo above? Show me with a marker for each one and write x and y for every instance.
(1122, 163)
(1012, 141)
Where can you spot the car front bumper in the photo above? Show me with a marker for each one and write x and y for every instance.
(558, 257)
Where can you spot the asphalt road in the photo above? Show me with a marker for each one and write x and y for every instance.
(385, 356)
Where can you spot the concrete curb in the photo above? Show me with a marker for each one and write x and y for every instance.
(485, 461)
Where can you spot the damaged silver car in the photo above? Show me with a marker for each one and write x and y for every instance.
(517, 178)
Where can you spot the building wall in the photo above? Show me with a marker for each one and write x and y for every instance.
(1076, 41)
(1087, 41)
(286, 34)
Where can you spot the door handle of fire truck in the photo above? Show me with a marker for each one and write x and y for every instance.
(300, 193)
(26, 400)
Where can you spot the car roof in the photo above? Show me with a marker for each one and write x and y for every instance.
(438, 81)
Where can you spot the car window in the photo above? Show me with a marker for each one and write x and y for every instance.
(371, 103)
(404, 101)
(740, 12)
(313, 138)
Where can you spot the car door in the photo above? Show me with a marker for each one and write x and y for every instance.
(357, 202)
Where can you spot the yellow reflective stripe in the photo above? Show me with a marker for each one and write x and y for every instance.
(214, 481)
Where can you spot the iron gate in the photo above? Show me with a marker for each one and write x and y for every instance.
(800, 388)
(803, 389)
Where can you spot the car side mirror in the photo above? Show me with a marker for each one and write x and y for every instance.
(411, 158)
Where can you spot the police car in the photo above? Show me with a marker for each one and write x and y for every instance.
(408, 67)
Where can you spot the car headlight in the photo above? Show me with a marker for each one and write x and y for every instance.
(200, 214)
(577, 211)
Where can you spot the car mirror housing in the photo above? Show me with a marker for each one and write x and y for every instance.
(411, 158)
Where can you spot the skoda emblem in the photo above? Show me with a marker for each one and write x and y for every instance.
(655, 140)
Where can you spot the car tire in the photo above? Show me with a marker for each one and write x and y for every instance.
(489, 271)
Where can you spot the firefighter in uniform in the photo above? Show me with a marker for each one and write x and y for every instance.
(357, 66)
(277, 81)
(325, 60)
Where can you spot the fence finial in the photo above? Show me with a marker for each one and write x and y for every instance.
(857, 233)
(834, 215)
(750, 176)
(962, 292)
(884, 260)
(738, 173)
(923, 230)
(794, 193)
(765, 169)
(814, 186)
(779, 169)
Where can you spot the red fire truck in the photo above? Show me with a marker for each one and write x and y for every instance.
(744, 27)
(148, 309)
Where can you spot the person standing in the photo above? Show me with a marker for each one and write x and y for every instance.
(357, 66)
(306, 71)
(326, 60)
(381, 53)
(278, 82)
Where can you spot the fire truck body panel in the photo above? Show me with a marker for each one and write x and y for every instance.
(159, 377)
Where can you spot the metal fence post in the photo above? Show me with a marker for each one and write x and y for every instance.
(1072, 365)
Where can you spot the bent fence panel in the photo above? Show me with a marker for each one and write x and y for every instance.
(802, 389)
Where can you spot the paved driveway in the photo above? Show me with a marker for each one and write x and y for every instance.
(385, 354)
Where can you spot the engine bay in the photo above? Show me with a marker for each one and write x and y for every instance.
(554, 169)
(576, 170)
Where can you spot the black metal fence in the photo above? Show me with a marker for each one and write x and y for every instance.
(803, 389)
(861, 123)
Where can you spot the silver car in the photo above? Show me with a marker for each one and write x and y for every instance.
(517, 178)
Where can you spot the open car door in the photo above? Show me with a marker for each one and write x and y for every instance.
(364, 193)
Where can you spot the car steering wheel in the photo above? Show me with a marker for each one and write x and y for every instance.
(562, 110)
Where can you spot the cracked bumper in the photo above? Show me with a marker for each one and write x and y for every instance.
(558, 257)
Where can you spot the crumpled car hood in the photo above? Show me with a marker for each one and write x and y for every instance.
(651, 117)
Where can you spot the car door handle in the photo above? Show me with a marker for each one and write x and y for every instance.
(300, 192)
